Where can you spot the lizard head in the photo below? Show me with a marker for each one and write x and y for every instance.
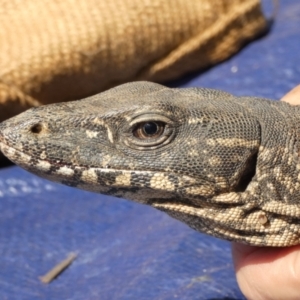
(141, 141)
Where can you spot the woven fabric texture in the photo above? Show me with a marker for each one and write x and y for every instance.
(54, 51)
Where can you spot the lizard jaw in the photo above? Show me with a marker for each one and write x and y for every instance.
(233, 224)
(14, 155)
(115, 182)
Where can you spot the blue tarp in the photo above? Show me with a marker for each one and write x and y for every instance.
(126, 250)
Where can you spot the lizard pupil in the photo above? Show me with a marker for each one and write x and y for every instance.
(150, 128)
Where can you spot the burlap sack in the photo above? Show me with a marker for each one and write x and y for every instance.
(59, 50)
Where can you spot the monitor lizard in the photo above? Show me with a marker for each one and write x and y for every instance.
(226, 166)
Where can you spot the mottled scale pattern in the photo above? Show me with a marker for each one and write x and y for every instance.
(226, 166)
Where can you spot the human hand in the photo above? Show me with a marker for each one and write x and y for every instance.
(269, 273)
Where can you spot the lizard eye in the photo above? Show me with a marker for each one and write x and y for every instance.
(148, 130)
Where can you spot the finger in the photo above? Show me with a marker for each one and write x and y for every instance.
(267, 273)
(293, 97)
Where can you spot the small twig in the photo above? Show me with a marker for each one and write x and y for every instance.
(60, 267)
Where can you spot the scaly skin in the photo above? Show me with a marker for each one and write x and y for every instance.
(226, 166)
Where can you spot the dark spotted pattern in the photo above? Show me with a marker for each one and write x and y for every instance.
(224, 165)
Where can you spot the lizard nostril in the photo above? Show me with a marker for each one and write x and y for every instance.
(36, 128)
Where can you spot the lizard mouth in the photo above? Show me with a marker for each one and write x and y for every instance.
(13, 154)
(140, 186)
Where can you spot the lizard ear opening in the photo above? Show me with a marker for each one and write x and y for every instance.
(248, 174)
